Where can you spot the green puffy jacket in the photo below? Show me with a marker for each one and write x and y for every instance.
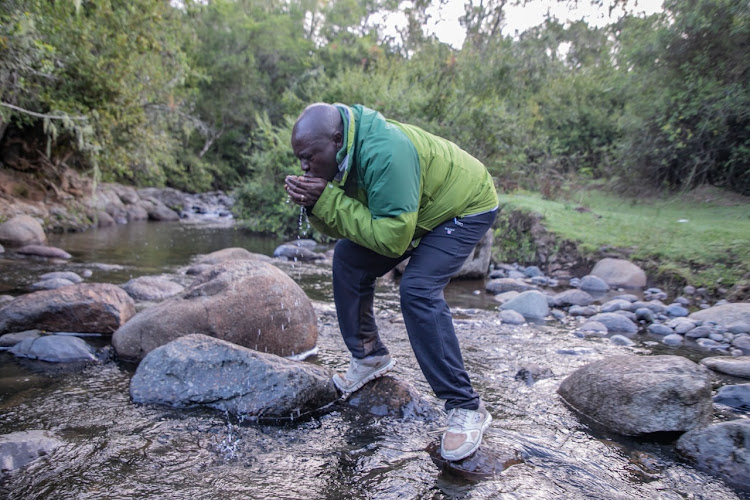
(397, 182)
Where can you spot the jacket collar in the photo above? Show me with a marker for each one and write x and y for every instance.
(344, 155)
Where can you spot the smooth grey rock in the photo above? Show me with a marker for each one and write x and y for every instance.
(572, 297)
(532, 271)
(103, 219)
(673, 340)
(158, 211)
(44, 251)
(85, 307)
(202, 370)
(739, 327)
(659, 329)
(712, 345)
(230, 254)
(635, 395)
(644, 314)
(616, 323)
(501, 285)
(736, 396)
(593, 328)
(681, 325)
(515, 274)
(654, 305)
(531, 304)
(591, 283)
(621, 340)
(11, 339)
(151, 288)
(699, 332)
(66, 275)
(689, 290)
(21, 448)
(620, 273)
(22, 230)
(583, 310)
(626, 296)
(735, 366)
(296, 253)
(721, 449)
(615, 305)
(510, 317)
(248, 302)
(676, 311)
(504, 297)
(304, 243)
(724, 314)
(742, 342)
(51, 284)
(55, 349)
(4, 299)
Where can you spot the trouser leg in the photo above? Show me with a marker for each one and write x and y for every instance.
(439, 255)
(355, 269)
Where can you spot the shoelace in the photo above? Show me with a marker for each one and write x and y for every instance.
(456, 416)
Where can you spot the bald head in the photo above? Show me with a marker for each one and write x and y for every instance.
(317, 136)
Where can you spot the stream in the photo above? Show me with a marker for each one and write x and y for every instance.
(117, 449)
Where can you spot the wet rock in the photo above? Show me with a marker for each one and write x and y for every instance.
(673, 340)
(11, 339)
(136, 213)
(621, 340)
(151, 288)
(304, 243)
(55, 349)
(158, 211)
(248, 302)
(21, 448)
(739, 327)
(659, 329)
(201, 370)
(52, 284)
(4, 299)
(626, 296)
(615, 323)
(676, 311)
(615, 305)
(635, 395)
(742, 342)
(84, 307)
(737, 396)
(591, 283)
(484, 464)
(699, 332)
(389, 396)
(738, 366)
(583, 311)
(501, 285)
(531, 304)
(620, 273)
(644, 314)
(103, 219)
(531, 374)
(593, 328)
(296, 253)
(44, 251)
(66, 275)
(171, 198)
(504, 297)
(681, 325)
(510, 317)
(572, 297)
(228, 255)
(712, 345)
(22, 230)
(721, 449)
(724, 314)
(654, 305)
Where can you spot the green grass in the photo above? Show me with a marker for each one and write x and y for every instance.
(703, 242)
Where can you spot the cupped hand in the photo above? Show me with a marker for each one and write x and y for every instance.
(304, 191)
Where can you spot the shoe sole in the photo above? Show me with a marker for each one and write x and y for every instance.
(376, 374)
(473, 450)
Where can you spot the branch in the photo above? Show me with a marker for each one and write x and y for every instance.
(41, 115)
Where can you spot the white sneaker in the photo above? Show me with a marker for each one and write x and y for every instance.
(464, 434)
(362, 371)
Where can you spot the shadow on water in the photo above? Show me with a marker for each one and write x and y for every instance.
(114, 448)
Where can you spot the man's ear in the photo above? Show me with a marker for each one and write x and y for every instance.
(338, 139)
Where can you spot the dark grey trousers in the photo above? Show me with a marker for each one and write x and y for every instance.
(439, 255)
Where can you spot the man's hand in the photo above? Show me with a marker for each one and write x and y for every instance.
(304, 191)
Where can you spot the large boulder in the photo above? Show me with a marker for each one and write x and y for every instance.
(725, 314)
(22, 230)
(736, 366)
(620, 273)
(201, 370)
(152, 288)
(636, 395)
(20, 448)
(720, 449)
(532, 304)
(84, 307)
(249, 303)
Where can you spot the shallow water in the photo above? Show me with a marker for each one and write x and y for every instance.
(117, 449)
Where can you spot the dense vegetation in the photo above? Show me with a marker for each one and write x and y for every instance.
(202, 94)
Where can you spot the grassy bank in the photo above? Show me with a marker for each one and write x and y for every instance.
(701, 237)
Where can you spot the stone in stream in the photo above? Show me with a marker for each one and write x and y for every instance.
(228, 255)
(248, 302)
(151, 288)
(636, 395)
(615, 323)
(390, 396)
(737, 366)
(736, 396)
(44, 251)
(201, 370)
(22, 230)
(620, 273)
(532, 304)
(54, 349)
(11, 339)
(66, 275)
(725, 314)
(594, 284)
(20, 448)
(486, 463)
(572, 297)
(510, 317)
(293, 252)
(85, 307)
(51, 284)
(500, 285)
(721, 449)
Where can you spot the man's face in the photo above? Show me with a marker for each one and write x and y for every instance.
(317, 155)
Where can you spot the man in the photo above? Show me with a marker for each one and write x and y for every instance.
(390, 191)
